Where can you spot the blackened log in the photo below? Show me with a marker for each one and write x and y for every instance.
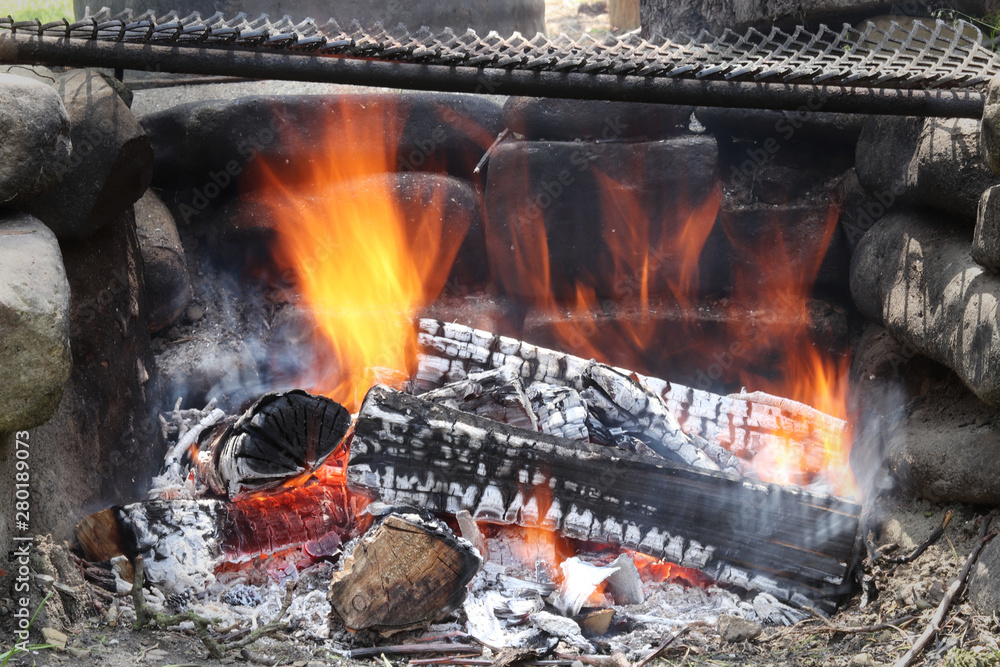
(621, 401)
(183, 541)
(740, 423)
(406, 572)
(496, 394)
(794, 545)
(279, 437)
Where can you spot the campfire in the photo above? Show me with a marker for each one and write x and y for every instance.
(446, 471)
(528, 384)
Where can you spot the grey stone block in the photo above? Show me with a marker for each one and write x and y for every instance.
(168, 285)
(918, 428)
(986, 241)
(914, 274)
(111, 162)
(984, 581)
(931, 162)
(34, 139)
(34, 323)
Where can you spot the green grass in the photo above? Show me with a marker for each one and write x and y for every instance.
(43, 10)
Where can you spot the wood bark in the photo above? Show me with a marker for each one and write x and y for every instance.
(794, 545)
(405, 573)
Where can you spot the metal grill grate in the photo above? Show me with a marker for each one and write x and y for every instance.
(942, 55)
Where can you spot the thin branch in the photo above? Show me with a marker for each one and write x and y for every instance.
(942, 610)
(663, 647)
(931, 539)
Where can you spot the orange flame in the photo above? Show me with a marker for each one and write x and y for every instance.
(351, 245)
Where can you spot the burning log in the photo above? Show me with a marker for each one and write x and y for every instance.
(497, 394)
(182, 541)
(405, 573)
(280, 436)
(780, 540)
(738, 423)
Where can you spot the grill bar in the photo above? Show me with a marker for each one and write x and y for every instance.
(265, 64)
(933, 70)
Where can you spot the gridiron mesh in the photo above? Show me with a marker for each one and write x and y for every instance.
(940, 55)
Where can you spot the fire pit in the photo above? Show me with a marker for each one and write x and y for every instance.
(543, 381)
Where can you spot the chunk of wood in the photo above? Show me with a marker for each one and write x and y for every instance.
(281, 436)
(795, 545)
(406, 572)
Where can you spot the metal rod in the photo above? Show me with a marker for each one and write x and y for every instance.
(265, 64)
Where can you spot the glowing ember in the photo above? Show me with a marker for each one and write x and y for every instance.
(351, 246)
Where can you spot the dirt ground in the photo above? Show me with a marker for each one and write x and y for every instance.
(874, 631)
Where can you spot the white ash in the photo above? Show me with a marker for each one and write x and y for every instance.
(174, 481)
(564, 628)
(580, 580)
(483, 625)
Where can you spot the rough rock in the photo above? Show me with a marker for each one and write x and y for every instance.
(34, 323)
(103, 444)
(932, 162)
(984, 582)
(758, 245)
(916, 276)
(666, 17)
(539, 118)
(860, 210)
(589, 196)
(918, 428)
(34, 138)
(986, 240)
(438, 133)
(241, 234)
(503, 16)
(735, 629)
(807, 125)
(110, 165)
(990, 128)
(168, 285)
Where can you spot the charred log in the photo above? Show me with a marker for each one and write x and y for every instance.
(182, 541)
(738, 423)
(405, 573)
(497, 394)
(794, 545)
(280, 436)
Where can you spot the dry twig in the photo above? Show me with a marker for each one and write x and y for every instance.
(663, 647)
(956, 586)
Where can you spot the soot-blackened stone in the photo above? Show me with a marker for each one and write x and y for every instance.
(564, 120)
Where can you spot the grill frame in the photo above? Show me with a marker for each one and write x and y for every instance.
(937, 70)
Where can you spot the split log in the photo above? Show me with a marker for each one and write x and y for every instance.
(739, 423)
(405, 573)
(792, 544)
(279, 437)
(559, 410)
(182, 541)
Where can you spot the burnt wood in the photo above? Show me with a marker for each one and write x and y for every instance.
(405, 573)
(792, 544)
(738, 423)
(281, 436)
